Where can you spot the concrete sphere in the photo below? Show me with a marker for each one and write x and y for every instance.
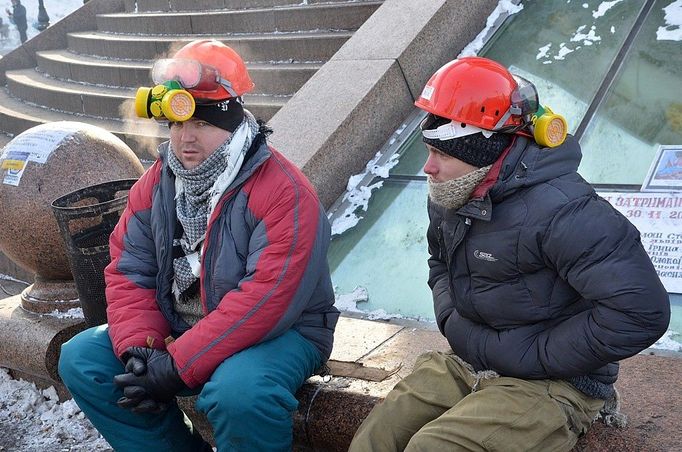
(42, 164)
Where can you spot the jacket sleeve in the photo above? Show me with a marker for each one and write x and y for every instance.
(598, 252)
(439, 278)
(287, 252)
(132, 312)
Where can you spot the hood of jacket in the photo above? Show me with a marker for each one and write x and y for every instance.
(527, 164)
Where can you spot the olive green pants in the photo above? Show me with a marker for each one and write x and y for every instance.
(442, 406)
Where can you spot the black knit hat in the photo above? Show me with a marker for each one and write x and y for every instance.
(227, 115)
(475, 149)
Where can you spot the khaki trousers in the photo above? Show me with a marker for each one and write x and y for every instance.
(435, 409)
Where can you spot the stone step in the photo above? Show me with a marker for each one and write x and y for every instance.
(184, 5)
(142, 136)
(102, 101)
(276, 79)
(277, 47)
(334, 16)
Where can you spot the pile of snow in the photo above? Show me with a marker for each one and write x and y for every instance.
(33, 420)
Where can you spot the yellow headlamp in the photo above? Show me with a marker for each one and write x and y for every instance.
(549, 128)
(168, 100)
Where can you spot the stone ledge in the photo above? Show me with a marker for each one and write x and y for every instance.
(331, 410)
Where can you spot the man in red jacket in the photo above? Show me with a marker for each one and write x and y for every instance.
(218, 285)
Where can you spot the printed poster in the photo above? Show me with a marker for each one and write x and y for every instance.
(13, 164)
(658, 216)
(33, 145)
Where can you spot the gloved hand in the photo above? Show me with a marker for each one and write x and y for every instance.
(150, 374)
(135, 398)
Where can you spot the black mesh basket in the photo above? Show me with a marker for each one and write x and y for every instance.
(86, 218)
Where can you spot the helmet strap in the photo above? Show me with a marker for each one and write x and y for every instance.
(228, 86)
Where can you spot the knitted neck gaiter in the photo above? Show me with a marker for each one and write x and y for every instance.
(453, 194)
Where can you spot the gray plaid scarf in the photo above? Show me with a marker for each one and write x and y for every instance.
(197, 193)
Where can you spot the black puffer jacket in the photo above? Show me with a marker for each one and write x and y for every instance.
(541, 278)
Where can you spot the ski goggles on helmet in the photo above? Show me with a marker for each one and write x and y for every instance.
(201, 79)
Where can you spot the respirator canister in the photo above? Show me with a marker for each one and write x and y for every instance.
(168, 100)
(549, 129)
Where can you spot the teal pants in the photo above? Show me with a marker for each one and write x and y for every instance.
(249, 400)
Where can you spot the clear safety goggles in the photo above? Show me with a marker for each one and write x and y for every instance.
(452, 130)
(192, 75)
(524, 101)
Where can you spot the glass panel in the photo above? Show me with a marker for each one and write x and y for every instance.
(642, 109)
(564, 47)
(412, 156)
(386, 252)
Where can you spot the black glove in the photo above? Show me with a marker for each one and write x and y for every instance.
(135, 398)
(154, 372)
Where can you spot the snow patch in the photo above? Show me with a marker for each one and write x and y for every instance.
(672, 30)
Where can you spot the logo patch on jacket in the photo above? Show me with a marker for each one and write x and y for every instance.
(482, 255)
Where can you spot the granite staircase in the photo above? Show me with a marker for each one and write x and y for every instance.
(94, 79)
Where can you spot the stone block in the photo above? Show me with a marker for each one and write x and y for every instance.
(184, 5)
(155, 24)
(340, 140)
(300, 47)
(251, 4)
(57, 68)
(281, 79)
(422, 36)
(152, 5)
(130, 6)
(360, 337)
(223, 22)
(347, 16)
(41, 92)
(30, 342)
(9, 267)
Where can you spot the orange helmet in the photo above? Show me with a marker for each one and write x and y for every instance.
(479, 92)
(208, 69)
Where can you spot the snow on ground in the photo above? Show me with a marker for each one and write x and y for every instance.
(56, 10)
(33, 420)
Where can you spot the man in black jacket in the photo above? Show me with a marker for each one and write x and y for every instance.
(18, 17)
(539, 285)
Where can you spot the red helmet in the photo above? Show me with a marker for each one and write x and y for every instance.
(208, 69)
(479, 92)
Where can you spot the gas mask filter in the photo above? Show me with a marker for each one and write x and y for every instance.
(168, 100)
(549, 129)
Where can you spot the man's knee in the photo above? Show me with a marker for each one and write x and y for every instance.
(69, 357)
(244, 397)
(76, 352)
